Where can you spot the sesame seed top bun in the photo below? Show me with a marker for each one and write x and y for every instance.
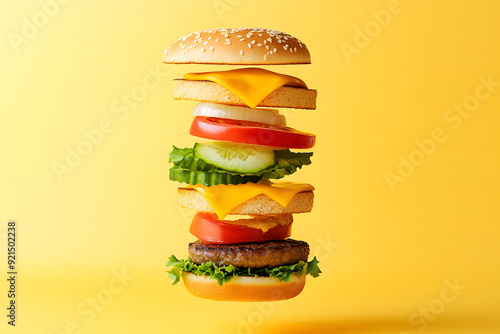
(242, 46)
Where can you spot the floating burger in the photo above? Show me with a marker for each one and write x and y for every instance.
(243, 220)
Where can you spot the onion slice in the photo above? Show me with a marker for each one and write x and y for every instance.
(261, 115)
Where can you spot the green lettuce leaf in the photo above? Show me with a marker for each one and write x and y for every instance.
(209, 179)
(175, 272)
(224, 273)
(177, 154)
(287, 163)
(312, 268)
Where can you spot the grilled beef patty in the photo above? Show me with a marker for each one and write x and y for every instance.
(250, 255)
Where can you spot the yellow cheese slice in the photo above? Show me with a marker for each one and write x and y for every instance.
(264, 223)
(251, 85)
(224, 198)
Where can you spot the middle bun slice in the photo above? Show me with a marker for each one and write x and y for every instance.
(207, 91)
(259, 205)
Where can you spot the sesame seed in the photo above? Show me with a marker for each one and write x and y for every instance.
(241, 52)
(206, 42)
(265, 57)
(228, 42)
(260, 35)
(274, 50)
(253, 42)
(216, 40)
(295, 49)
(258, 44)
(211, 48)
(267, 47)
(183, 46)
(202, 50)
(242, 39)
(249, 45)
(239, 36)
(209, 37)
(291, 50)
(265, 41)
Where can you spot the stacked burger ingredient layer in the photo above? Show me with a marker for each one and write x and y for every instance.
(243, 219)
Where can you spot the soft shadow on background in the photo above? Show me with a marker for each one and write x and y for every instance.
(382, 325)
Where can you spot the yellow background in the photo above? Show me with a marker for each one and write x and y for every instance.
(385, 254)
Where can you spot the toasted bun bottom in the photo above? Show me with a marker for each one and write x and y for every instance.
(207, 91)
(249, 289)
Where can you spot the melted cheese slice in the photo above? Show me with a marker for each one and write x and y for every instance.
(224, 198)
(251, 85)
(264, 223)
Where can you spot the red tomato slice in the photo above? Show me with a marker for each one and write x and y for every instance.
(248, 132)
(208, 229)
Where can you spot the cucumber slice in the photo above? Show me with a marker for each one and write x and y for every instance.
(209, 179)
(235, 157)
